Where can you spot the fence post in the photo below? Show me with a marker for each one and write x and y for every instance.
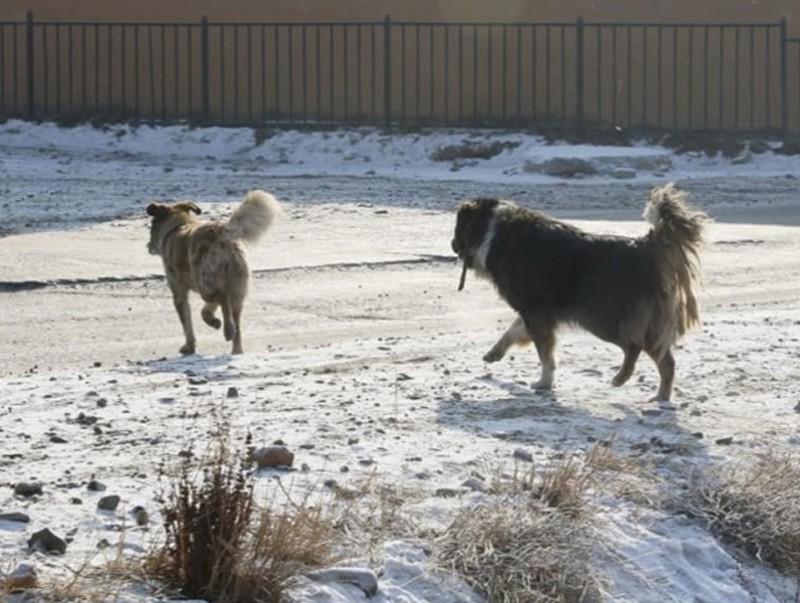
(204, 86)
(29, 61)
(387, 70)
(784, 84)
(579, 125)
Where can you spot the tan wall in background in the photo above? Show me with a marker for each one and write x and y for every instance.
(415, 10)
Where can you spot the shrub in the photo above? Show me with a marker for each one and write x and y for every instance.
(756, 508)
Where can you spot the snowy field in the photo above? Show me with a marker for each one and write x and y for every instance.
(362, 357)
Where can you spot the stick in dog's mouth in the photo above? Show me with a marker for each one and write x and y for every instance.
(463, 275)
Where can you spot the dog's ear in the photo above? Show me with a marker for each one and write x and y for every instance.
(157, 210)
(189, 207)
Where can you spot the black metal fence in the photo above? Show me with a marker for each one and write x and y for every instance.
(725, 77)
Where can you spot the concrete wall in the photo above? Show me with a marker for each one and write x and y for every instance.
(415, 10)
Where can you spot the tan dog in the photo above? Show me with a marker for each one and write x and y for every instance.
(209, 258)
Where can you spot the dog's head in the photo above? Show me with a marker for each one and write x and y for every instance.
(472, 222)
(166, 218)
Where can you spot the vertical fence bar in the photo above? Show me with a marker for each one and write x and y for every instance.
(767, 67)
(784, 86)
(70, 62)
(736, 79)
(204, 67)
(109, 89)
(83, 69)
(629, 84)
(675, 78)
(3, 67)
(579, 125)
(690, 100)
(599, 73)
(123, 96)
(346, 65)
(659, 73)
(15, 69)
(644, 77)
(519, 74)
(190, 71)
(417, 75)
(152, 70)
(534, 76)
(461, 75)
(489, 88)
(402, 72)
(504, 42)
(475, 73)
(250, 72)
(374, 75)
(721, 76)
(752, 78)
(446, 74)
(236, 82)
(318, 68)
(547, 72)
(45, 66)
(614, 55)
(706, 59)
(135, 71)
(304, 75)
(331, 54)
(563, 76)
(30, 62)
(387, 73)
(358, 72)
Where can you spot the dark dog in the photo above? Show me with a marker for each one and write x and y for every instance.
(635, 293)
(208, 257)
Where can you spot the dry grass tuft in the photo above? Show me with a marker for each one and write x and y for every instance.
(532, 546)
(220, 547)
(520, 553)
(756, 508)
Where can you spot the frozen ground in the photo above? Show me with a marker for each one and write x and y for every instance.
(360, 353)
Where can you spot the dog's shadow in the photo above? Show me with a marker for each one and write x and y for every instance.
(559, 421)
(209, 368)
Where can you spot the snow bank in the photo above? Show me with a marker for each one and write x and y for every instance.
(519, 158)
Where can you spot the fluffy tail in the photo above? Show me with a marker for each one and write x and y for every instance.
(676, 239)
(253, 217)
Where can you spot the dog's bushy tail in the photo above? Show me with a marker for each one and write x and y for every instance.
(253, 217)
(676, 239)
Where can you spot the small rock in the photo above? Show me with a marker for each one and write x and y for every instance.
(233, 392)
(698, 435)
(95, 486)
(724, 441)
(102, 403)
(272, 456)
(366, 462)
(352, 441)
(523, 455)
(57, 439)
(447, 492)
(27, 489)
(103, 543)
(108, 503)
(364, 578)
(15, 517)
(22, 578)
(307, 446)
(797, 407)
(142, 517)
(75, 501)
(651, 412)
(476, 485)
(44, 540)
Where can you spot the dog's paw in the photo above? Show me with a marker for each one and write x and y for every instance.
(214, 323)
(619, 380)
(187, 349)
(542, 384)
(493, 355)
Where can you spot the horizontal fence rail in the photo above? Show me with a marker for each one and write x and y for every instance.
(577, 76)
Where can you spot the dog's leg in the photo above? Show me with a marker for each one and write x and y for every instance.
(517, 333)
(544, 338)
(666, 372)
(229, 328)
(181, 299)
(236, 311)
(208, 315)
(628, 364)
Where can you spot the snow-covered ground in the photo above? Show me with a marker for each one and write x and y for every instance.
(361, 354)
